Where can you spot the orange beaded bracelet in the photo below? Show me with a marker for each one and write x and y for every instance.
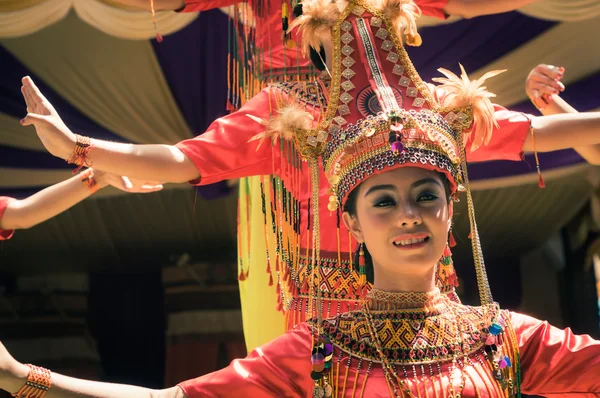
(83, 145)
(39, 381)
(87, 178)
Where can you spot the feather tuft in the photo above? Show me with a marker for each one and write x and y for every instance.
(288, 120)
(318, 16)
(461, 92)
(404, 15)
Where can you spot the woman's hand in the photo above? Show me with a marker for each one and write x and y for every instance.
(54, 134)
(542, 83)
(131, 185)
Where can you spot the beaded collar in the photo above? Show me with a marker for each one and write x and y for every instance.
(380, 300)
(426, 332)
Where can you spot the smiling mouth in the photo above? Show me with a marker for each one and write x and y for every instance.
(411, 243)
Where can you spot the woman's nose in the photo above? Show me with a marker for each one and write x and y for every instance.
(408, 216)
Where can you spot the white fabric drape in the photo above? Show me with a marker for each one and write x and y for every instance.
(126, 24)
(117, 83)
(563, 10)
(30, 20)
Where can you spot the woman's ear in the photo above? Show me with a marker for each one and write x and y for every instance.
(351, 222)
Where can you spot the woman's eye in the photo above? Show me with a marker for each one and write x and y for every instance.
(384, 202)
(426, 197)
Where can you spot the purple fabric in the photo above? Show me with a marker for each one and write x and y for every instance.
(194, 63)
(473, 42)
(25, 159)
(503, 168)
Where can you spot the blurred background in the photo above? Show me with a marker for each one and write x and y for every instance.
(143, 289)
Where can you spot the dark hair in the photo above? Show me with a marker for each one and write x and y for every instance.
(317, 58)
(350, 208)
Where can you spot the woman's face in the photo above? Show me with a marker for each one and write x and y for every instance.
(403, 218)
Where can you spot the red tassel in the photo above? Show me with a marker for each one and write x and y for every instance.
(541, 182)
(247, 272)
(470, 235)
(452, 240)
(279, 306)
(241, 277)
(304, 288)
(159, 38)
(271, 280)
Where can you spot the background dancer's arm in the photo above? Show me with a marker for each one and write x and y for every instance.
(225, 151)
(14, 374)
(543, 87)
(51, 201)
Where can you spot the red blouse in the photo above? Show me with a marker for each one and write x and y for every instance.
(554, 363)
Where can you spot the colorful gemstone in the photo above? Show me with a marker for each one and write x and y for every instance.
(397, 147)
(502, 364)
(495, 329)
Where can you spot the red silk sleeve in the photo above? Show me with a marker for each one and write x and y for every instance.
(5, 233)
(433, 8)
(280, 368)
(224, 152)
(507, 139)
(554, 362)
(204, 5)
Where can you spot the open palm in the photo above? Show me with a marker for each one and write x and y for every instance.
(54, 134)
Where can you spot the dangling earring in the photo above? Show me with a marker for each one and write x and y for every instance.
(362, 267)
(446, 279)
(362, 270)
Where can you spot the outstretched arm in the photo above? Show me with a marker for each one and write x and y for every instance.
(39, 207)
(475, 8)
(225, 151)
(151, 162)
(543, 87)
(13, 376)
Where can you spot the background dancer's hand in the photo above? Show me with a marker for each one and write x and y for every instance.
(127, 184)
(54, 134)
(543, 83)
